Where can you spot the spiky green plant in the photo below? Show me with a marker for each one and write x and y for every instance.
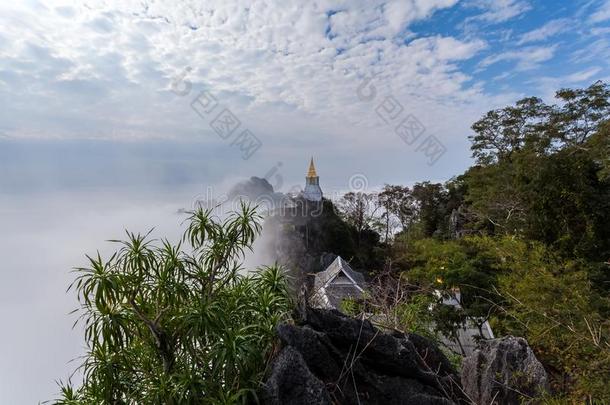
(166, 324)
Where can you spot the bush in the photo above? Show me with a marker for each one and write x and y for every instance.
(165, 326)
(393, 303)
(553, 305)
(525, 289)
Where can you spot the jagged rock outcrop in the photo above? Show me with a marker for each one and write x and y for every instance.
(300, 235)
(291, 382)
(256, 190)
(503, 371)
(332, 358)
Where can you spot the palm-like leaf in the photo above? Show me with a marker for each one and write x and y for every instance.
(164, 325)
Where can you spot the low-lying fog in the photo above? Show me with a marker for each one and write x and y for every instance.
(54, 210)
(43, 237)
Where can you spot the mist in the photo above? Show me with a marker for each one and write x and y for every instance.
(43, 239)
(62, 201)
(45, 235)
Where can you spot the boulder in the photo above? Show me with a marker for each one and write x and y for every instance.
(291, 382)
(356, 363)
(503, 371)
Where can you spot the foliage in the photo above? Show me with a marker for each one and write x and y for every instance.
(358, 209)
(561, 199)
(599, 146)
(393, 303)
(524, 289)
(422, 211)
(551, 303)
(530, 125)
(543, 172)
(398, 206)
(166, 326)
(581, 112)
(431, 200)
(502, 132)
(471, 264)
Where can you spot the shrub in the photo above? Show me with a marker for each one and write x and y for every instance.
(166, 326)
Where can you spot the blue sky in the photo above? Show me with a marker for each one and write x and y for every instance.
(534, 47)
(92, 82)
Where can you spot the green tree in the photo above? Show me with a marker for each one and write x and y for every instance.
(543, 172)
(398, 202)
(494, 199)
(504, 131)
(537, 209)
(550, 302)
(168, 326)
(471, 264)
(530, 125)
(524, 289)
(359, 210)
(561, 199)
(432, 216)
(599, 147)
(581, 113)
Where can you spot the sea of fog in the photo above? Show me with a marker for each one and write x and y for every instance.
(62, 200)
(44, 236)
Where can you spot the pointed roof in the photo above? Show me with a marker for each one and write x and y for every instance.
(312, 170)
(336, 282)
(338, 266)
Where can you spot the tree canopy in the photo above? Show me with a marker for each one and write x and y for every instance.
(524, 234)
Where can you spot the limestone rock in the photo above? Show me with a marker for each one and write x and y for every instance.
(503, 371)
(357, 363)
(291, 382)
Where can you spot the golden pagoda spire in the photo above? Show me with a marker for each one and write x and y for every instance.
(312, 169)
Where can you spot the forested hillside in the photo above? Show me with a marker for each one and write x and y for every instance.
(524, 234)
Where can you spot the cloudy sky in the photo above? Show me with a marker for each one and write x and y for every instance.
(107, 86)
(115, 113)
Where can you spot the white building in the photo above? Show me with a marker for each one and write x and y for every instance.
(467, 334)
(312, 191)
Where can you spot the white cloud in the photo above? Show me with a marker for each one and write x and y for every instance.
(583, 75)
(598, 50)
(602, 13)
(497, 11)
(598, 31)
(103, 69)
(547, 85)
(526, 58)
(400, 13)
(548, 30)
(449, 48)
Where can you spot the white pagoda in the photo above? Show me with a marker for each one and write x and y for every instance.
(312, 191)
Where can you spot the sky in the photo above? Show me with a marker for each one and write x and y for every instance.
(116, 114)
(93, 90)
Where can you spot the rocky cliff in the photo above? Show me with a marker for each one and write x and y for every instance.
(330, 358)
